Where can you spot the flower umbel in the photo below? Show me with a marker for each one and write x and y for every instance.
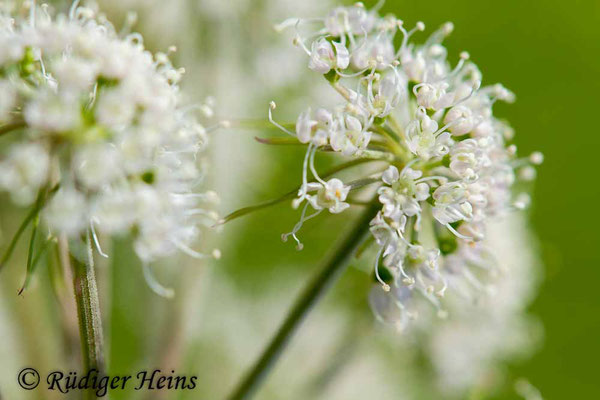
(446, 164)
(95, 126)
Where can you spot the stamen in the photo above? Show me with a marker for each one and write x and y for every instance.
(385, 286)
(187, 250)
(464, 56)
(95, 238)
(438, 36)
(32, 14)
(218, 125)
(536, 158)
(154, 285)
(303, 219)
(420, 26)
(74, 6)
(297, 21)
(92, 96)
(408, 165)
(472, 279)
(441, 292)
(448, 125)
(474, 89)
(458, 234)
(375, 8)
(313, 169)
(298, 41)
(354, 75)
(303, 189)
(273, 106)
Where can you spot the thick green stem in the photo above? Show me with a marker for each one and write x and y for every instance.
(309, 297)
(88, 312)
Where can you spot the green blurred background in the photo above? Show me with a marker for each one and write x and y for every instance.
(548, 53)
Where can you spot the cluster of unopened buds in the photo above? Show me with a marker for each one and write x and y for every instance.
(446, 165)
(97, 138)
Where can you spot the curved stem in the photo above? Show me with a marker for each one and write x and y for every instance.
(12, 126)
(309, 297)
(88, 312)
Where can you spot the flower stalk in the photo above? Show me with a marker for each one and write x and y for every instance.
(88, 310)
(315, 289)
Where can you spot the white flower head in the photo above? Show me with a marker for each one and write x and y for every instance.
(330, 195)
(441, 165)
(100, 135)
(326, 55)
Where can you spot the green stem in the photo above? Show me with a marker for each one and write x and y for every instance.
(12, 126)
(309, 297)
(88, 312)
(290, 195)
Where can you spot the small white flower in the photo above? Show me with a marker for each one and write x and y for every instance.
(331, 195)
(404, 193)
(468, 158)
(317, 130)
(349, 137)
(114, 109)
(434, 96)
(387, 96)
(451, 203)
(326, 56)
(24, 171)
(67, 212)
(50, 112)
(425, 140)
(74, 74)
(353, 20)
(97, 165)
(375, 52)
(461, 120)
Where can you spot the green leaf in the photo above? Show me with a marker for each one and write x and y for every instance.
(30, 258)
(39, 203)
(278, 140)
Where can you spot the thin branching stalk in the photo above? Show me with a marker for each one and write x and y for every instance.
(309, 297)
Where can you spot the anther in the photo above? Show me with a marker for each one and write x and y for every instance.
(536, 158)
(447, 28)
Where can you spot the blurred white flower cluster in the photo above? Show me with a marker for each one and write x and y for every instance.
(449, 164)
(97, 133)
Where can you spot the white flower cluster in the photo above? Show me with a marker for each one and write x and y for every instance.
(89, 111)
(449, 166)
